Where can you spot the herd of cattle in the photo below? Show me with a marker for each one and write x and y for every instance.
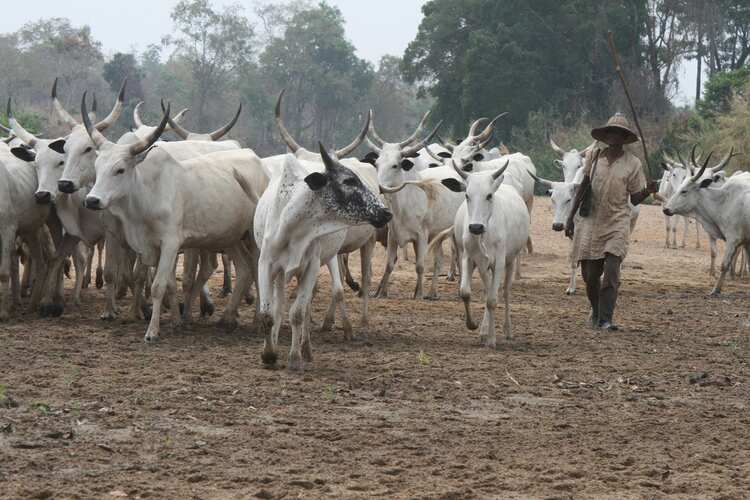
(141, 201)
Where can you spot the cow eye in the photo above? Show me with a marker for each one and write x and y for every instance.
(489, 197)
(351, 181)
(119, 171)
(88, 149)
(395, 166)
(61, 164)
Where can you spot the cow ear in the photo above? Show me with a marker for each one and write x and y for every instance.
(478, 157)
(665, 167)
(433, 165)
(468, 167)
(407, 165)
(707, 182)
(558, 164)
(58, 146)
(316, 181)
(24, 154)
(444, 154)
(371, 161)
(454, 185)
(549, 192)
(413, 154)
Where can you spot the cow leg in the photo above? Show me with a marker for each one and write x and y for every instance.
(420, 251)
(26, 277)
(518, 266)
(507, 287)
(211, 263)
(89, 265)
(490, 281)
(15, 280)
(729, 252)
(241, 258)
(164, 275)
(298, 313)
(713, 252)
(529, 242)
(467, 269)
(114, 260)
(7, 242)
(190, 258)
(697, 235)
(454, 262)
(667, 228)
(140, 309)
(81, 256)
(685, 233)
(226, 265)
(392, 251)
(572, 285)
(438, 265)
(52, 302)
(39, 244)
(337, 300)
(347, 274)
(365, 255)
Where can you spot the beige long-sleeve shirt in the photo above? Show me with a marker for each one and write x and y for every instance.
(607, 228)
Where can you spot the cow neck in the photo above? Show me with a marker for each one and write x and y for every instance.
(154, 188)
(714, 220)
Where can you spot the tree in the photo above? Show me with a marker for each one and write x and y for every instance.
(215, 44)
(123, 66)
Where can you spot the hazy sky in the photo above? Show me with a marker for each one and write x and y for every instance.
(375, 27)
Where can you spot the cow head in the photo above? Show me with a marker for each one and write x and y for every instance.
(480, 191)
(116, 163)
(79, 150)
(395, 160)
(49, 163)
(686, 197)
(344, 196)
(142, 130)
(570, 161)
(561, 196)
(469, 150)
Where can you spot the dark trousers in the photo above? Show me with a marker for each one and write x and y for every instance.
(602, 277)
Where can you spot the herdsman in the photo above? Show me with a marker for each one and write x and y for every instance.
(612, 177)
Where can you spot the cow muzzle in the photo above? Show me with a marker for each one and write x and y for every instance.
(558, 226)
(43, 197)
(382, 219)
(668, 212)
(93, 203)
(476, 229)
(66, 187)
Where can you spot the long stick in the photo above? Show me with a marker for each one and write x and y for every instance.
(621, 74)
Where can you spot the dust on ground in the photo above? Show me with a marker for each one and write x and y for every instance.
(414, 408)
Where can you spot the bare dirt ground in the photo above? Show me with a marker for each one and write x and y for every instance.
(416, 410)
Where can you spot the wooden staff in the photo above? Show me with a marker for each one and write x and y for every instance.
(621, 74)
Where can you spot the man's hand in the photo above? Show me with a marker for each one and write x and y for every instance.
(652, 187)
(570, 228)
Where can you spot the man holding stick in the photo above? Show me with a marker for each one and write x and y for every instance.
(612, 177)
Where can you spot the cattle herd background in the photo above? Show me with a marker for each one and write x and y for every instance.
(189, 313)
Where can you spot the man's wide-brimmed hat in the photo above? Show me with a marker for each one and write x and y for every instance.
(618, 125)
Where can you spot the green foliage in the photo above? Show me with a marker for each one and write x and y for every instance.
(481, 57)
(31, 120)
(120, 67)
(719, 91)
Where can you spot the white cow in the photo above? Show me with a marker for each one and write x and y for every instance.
(491, 229)
(420, 212)
(361, 237)
(723, 211)
(300, 224)
(570, 161)
(672, 178)
(165, 205)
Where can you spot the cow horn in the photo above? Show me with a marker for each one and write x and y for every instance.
(137, 115)
(5, 129)
(96, 137)
(142, 145)
(557, 148)
(500, 171)
(116, 110)
(396, 189)
(460, 172)
(434, 156)
(345, 151)
(724, 162)
(372, 141)
(540, 180)
(329, 162)
(288, 139)
(413, 137)
(487, 132)
(702, 168)
(174, 124)
(215, 136)
(447, 145)
(20, 132)
(424, 142)
(94, 106)
(375, 136)
(61, 112)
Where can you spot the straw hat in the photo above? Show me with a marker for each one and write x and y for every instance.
(616, 131)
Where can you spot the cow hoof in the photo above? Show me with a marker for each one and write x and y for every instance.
(147, 311)
(51, 310)
(431, 297)
(228, 325)
(85, 284)
(570, 291)
(108, 316)
(207, 309)
(354, 286)
(269, 359)
(250, 299)
(715, 293)
(225, 292)
(151, 338)
(451, 278)
(99, 279)
(296, 364)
